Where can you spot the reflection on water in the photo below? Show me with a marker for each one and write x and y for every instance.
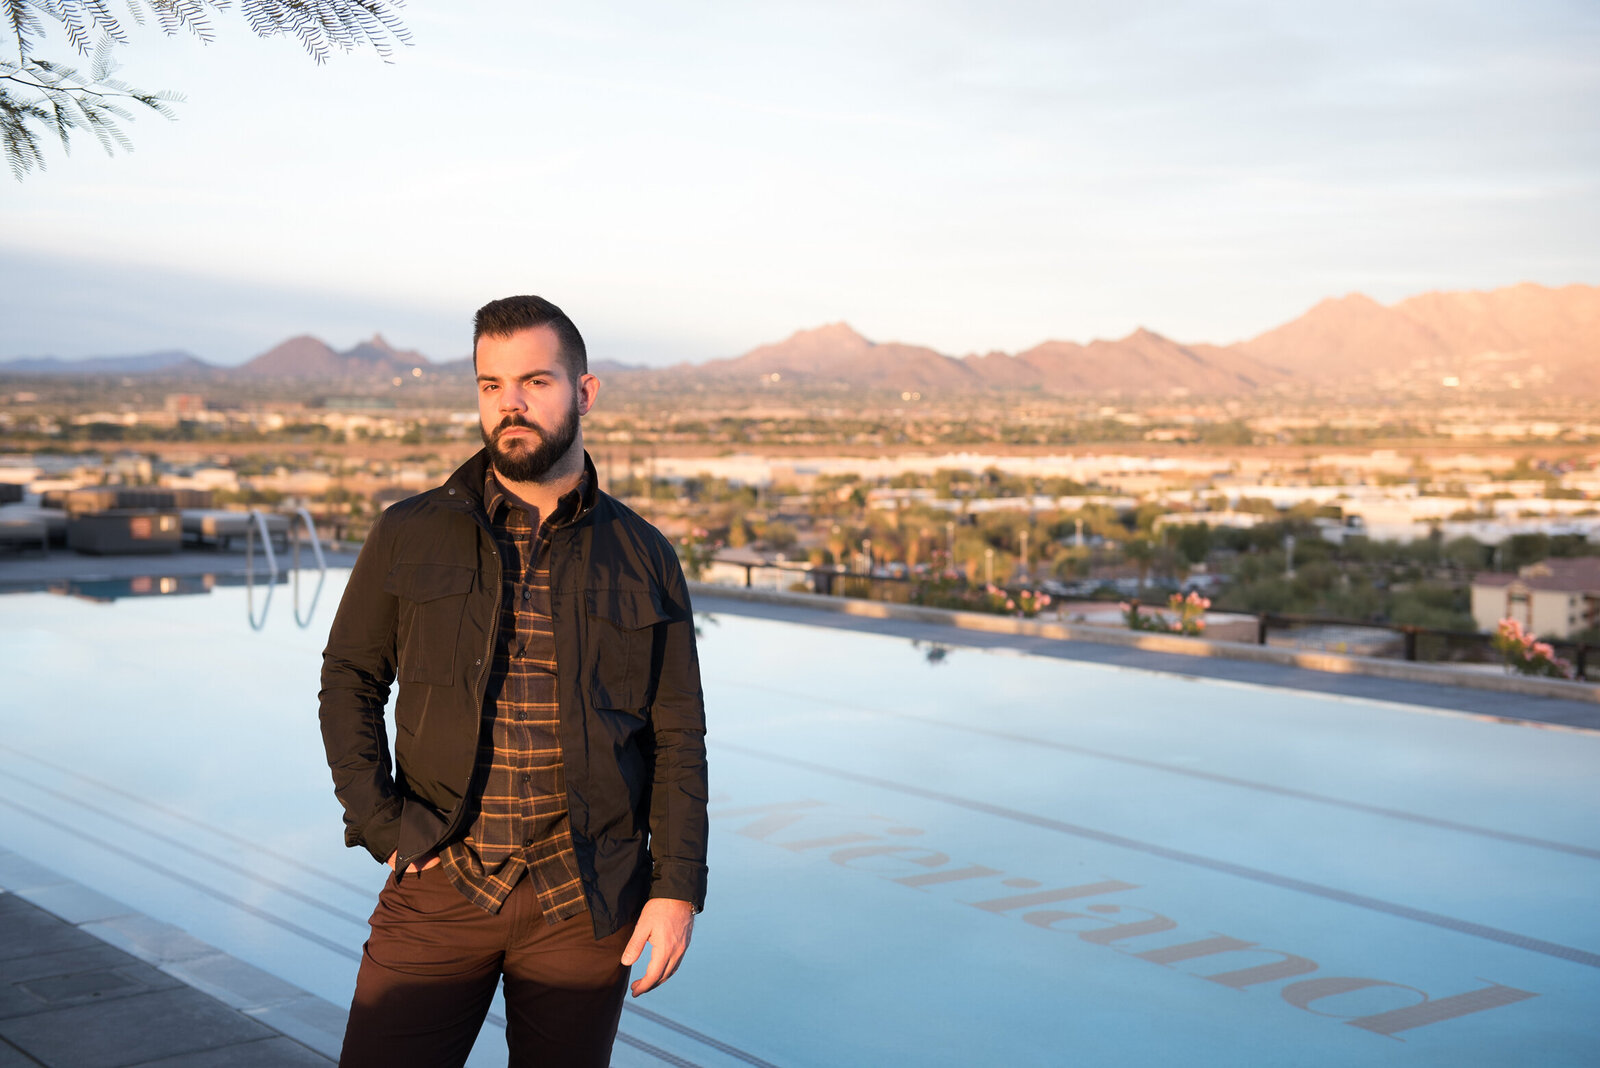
(303, 619)
(933, 652)
(700, 619)
(105, 591)
(111, 590)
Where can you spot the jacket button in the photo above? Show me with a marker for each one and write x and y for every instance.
(452, 491)
(478, 662)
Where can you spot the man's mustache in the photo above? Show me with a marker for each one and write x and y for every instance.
(514, 420)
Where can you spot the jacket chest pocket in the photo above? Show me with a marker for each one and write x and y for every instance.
(433, 599)
(622, 637)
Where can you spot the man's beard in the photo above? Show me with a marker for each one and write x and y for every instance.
(517, 461)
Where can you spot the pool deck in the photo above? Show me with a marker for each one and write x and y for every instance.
(84, 982)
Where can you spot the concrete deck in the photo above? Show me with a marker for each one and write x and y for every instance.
(86, 983)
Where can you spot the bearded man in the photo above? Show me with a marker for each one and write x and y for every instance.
(545, 810)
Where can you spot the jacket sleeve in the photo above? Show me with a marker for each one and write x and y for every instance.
(358, 667)
(678, 794)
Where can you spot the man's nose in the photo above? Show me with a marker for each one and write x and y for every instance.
(512, 400)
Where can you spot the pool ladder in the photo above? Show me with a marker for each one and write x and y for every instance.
(258, 522)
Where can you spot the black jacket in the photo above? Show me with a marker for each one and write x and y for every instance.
(423, 605)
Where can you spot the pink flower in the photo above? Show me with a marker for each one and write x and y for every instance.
(1010, 605)
(1199, 624)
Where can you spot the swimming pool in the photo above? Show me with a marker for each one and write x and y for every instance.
(921, 856)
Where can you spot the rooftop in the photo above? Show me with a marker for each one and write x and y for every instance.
(1579, 574)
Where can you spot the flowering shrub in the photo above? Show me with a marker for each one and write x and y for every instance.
(1031, 602)
(1190, 613)
(952, 592)
(1526, 654)
(695, 551)
(1025, 604)
(1137, 620)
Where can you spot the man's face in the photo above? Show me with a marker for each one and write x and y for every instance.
(528, 405)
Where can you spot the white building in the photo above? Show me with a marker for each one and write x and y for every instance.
(1553, 598)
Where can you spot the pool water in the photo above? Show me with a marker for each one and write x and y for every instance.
(920, 855)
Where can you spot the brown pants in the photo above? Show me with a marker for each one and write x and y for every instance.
(429, 971)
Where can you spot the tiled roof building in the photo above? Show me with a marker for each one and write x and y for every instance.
(1553, 598)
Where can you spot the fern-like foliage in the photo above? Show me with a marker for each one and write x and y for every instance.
(320, 25)
(40, 98)
(58, 99)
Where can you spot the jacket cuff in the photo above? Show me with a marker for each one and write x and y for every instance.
(381, 838)
(681, 881)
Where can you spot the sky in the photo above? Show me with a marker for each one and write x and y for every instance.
(691, 180)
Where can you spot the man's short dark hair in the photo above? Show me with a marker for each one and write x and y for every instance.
(509, 315)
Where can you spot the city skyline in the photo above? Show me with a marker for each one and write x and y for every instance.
(689, 184)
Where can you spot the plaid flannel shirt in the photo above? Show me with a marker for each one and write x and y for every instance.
(521, 825)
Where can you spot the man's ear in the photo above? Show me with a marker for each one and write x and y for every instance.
(588, 390)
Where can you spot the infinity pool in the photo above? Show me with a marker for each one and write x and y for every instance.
(920, 855)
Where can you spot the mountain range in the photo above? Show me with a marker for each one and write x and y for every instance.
(1524, 337)
(170, 361)
(308, 357)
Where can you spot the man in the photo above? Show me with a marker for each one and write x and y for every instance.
(545, 811)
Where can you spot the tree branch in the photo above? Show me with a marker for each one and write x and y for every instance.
(60, 87)
(318, 25)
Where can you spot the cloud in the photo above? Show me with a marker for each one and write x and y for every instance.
(700, 178)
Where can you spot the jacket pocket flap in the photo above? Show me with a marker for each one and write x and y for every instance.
(428, 582)
(628, 609)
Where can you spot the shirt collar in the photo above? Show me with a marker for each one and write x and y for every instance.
(571, 503)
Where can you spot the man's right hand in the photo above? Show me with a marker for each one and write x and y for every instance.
(428, 861)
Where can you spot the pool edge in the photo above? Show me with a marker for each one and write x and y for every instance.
(290, 1012)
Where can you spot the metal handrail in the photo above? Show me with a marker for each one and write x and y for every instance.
(322, 564)
(311, 528)
(259, 522)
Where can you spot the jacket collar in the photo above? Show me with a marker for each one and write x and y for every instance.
(464, 488)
